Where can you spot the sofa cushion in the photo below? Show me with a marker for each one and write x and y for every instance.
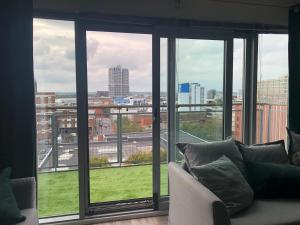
(272, 180)
(202, 153)
(225, 180)
(25, 192)
(294, 147)
(9, 211)
(269, 212)
(31, 217)
(273, 152)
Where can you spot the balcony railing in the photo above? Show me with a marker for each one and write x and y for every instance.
(120, 137)
(271, 121)
(118, 133)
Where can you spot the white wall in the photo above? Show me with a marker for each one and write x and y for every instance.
(204, 10)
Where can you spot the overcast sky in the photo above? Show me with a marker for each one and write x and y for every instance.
(131, 51)
(197, 60)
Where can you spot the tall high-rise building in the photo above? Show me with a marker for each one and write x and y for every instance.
(118, 82)
(190, 93)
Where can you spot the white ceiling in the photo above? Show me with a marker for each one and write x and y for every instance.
(277, 3)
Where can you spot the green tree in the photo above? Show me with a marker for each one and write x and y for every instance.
(209, 129)
(129, 126)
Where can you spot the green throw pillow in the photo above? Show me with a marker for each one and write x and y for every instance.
(224, 179)
(9, 211)
(272, 180)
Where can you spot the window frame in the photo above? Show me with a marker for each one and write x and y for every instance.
(170, 29)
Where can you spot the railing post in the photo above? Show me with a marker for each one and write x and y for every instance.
(269, 123)
(119, 138)
(261, 112)
(54, 141)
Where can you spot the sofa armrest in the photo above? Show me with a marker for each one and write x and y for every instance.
(25, 192)
(191, 203)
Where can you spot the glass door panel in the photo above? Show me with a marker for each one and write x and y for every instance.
(199, 90)
(119, 77)
(237, 88)
(272, 88)
(56, 117)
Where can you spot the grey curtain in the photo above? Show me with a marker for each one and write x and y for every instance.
(17, 111)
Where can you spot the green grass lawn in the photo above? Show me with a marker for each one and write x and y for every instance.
(58, 191)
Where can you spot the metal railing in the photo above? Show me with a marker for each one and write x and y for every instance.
(271, 122)
(118, 135)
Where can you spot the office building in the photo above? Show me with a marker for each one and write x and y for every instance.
(273, 91)
(118, 82)
(192, 94)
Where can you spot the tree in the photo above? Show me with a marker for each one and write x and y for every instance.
(209, 129)
(129, 126)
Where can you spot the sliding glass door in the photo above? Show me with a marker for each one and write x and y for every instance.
(139, 93)
(56, 117)
(119, 79)
(117, 120)
(197, 88)
(195, 79)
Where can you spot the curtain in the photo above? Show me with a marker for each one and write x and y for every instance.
(294, 68)
(17, 119)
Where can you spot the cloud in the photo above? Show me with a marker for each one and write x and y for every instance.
(131, 51)
(197, 60)
(69, 53)
(41, 48)
(238, 64)
(200, 61)
(273, 56)
(92, 46)
(54, 55)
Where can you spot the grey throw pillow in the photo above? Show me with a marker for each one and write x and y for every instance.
(225, 180)
(294, 147)
(202, 153)
(271, 152)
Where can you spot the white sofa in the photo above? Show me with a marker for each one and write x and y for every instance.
(191, 203)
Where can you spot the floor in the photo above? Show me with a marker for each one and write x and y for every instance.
(161, 220)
